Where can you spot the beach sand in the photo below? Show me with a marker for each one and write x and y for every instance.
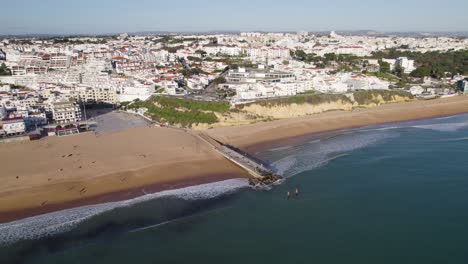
(58, 173)
(255, 137)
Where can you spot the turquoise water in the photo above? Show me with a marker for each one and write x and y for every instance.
(396, 193)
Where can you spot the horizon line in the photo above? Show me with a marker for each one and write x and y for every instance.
(108, 33)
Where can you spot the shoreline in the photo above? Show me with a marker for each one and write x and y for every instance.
(117, 196)
(261, 136)
(60, 173)
(175, 161)
(262, 146)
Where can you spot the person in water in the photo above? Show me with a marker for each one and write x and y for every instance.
(297, 192)
(289, 195)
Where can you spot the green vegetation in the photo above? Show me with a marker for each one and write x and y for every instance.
(173, 49)
(383, 75)
(367, 97)
(184, 112)
(196, 59)
(301, 55)
(302, 99)
(224, 93)
(159, 90)
(219, 80)
(362, 98)
(189, 104)
(384, 66)
(4, 70)
(187, 112)
(192, 71)
(434, 64)
(308, 92)
(345, 62)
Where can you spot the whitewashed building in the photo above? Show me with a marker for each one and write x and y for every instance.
(65, 112)
(13, 126)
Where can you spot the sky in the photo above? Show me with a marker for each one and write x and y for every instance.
(116, 16)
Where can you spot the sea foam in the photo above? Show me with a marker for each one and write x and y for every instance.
(318, 153)
(65, 220)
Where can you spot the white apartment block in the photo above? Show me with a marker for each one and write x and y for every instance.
(407, 65)
(65, 112)
(97, 95)
(133, 90)
(261, 74)
(13, 126)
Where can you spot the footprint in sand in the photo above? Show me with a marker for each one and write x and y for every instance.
(82, 191)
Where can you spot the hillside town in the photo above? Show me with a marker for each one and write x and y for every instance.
(45, 83)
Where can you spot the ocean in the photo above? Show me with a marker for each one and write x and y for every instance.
(395, 193)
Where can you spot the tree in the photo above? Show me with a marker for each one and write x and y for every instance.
(421, 72)
(219, 80)
(300, 54)
(330, 56)
(399, 71)
(384, 66)
(4, 70)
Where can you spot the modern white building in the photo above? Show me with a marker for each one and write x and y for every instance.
(261, 74)
(14, 126)
(133, 90)
(65, 112)
(97, 95)
(406, 64)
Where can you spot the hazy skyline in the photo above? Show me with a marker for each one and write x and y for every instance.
(105, 16)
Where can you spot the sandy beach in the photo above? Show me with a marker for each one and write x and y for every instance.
(57, 173)
(254, 137)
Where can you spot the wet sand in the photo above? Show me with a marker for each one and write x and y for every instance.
(260, 136)
(57, 173)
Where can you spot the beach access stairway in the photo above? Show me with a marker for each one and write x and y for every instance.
(253, 166)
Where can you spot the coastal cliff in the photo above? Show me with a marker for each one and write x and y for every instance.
(304, 105)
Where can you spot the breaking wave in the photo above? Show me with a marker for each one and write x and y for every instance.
(444, 127)
(318, 153)
(63, 221)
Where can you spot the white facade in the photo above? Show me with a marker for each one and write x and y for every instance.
(65, 112)
(407, 65)
(131, 91)
(97, 95)
(13, 126)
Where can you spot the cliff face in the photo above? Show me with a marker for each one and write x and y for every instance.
(297, 110)
(305, 105)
